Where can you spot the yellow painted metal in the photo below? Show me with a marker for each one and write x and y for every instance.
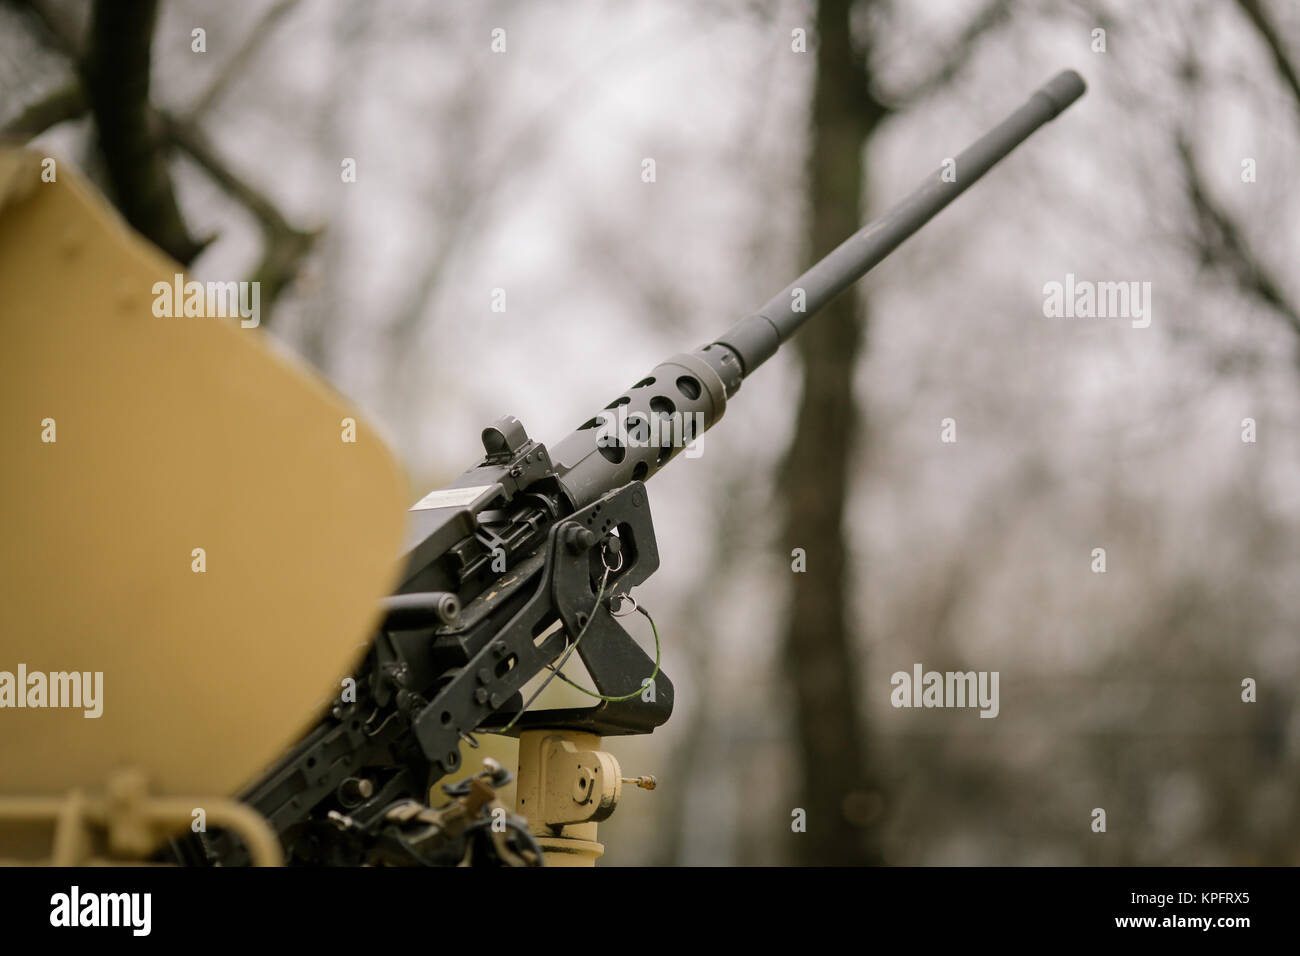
(170, 435)
(566, 785)
(125, 823)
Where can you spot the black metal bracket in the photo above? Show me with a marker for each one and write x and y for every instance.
(617, 664)
(481, 694)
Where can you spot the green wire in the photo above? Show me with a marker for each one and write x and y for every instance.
(600, 593)
(555, 671)
(592, 693)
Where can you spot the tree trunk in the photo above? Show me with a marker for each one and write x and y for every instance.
(836, 790)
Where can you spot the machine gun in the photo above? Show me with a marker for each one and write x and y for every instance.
(528, 555)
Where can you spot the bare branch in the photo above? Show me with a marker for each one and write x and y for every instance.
(58, 30)
(284, 247)
(1220, 241)
(137, 140)
(994, 14)
(234, 66)
(60, 105)
(115, 77)
(1268, 32)
(59, 34)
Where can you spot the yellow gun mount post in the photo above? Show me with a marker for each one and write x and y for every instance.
(567, 785)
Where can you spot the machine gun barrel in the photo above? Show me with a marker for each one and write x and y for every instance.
(687, 394)
(756, 338)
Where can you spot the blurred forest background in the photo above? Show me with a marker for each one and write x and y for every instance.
(522, 170)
